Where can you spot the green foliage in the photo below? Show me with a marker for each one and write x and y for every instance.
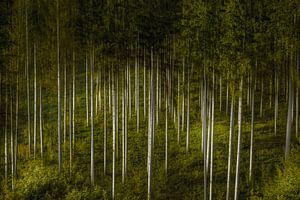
(286, 184)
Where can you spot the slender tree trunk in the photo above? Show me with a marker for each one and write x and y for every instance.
(212, 136)
(230, 147)
(261, 98)
(178, 108)
(5, 137)
(104, 127)
(183, 96)
(16, 123)
(166, 141)
(252, 133)
(73, 103)
(236, 188)
(208, 131)
(58, 92)
(27, 86)
(114, 136)
(92, 120)
(12, 141)
(145, 86)
(227, 95)
(204, 139)
(65, 102)
(276, 103)
(289, 117)
(188, 114)
(123, 129)
(70, 127)
(87, 91)
(35, 104)
(150, 132)
(41, 121)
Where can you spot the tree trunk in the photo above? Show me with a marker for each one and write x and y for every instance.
(114, 136)
(289, 117)
(230, 146)
(150, 131)
(27, 86)
(188, 114)
(166, 141)
(92, 120)
(87, 91)
(41, 121)
(212, 136)
(5, 137)
(73, 103)
(252, 133)
(183, 98)
(104, 127)
(70, 126)
(65, 102)
(204, 138)
(261, 98)
(236, 188)
(35, 104)
(58, 91)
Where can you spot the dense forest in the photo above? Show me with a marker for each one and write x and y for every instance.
(157, 99)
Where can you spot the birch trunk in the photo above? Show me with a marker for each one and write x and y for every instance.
(236, 187)
(230, 147)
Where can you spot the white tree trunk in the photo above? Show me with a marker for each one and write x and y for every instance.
(92, 120)
(252, 133)
(35, 104)
(236, 188)
(230, 147)
(58, 93)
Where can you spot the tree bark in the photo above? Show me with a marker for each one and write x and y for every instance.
(230, 147)
(236, 188)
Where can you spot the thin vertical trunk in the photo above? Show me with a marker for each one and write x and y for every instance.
(150, 132)
(41, 121)
(236, 188)
(178, 108)
(208, 130)
(252, 133)
(12, 141)
(58, 91)
(5, 137)
(87, 91)
(227, 95)
(35, 103)
(212, 136)
(289, 117)
(297, 101)
(145, 107)
(137, 99)
(261, 98)
(276, 103)
(188, 113)
(104, 127)
(230, 147)
(65, 102)
(166, 140)
(114, 136)
(70, 126)
(73, 103)
(183, 96)
(204, 138)
(16, 122)
(123, 130)
(27, 86)
(92, 120)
